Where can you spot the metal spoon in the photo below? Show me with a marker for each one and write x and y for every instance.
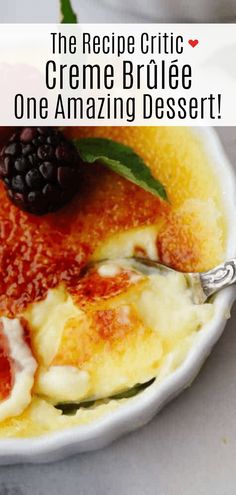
(203, 285)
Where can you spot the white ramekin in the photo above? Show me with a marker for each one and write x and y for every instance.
(140, 409)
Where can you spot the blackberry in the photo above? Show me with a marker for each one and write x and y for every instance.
(41, 169)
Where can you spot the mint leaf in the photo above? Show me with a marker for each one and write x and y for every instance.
(67, 14)
(122, 160)
(71, 408)
(132, 391)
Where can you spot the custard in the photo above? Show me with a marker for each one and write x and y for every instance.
(96, 336)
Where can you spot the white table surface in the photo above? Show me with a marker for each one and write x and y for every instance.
(190, 447)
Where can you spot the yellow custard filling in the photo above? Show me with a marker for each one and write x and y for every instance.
(130, 328)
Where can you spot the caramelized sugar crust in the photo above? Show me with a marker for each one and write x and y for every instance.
(93, 287)
(100, 330)
(38, 253)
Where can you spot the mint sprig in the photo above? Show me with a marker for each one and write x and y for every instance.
(120, 159)
(68, 16)
(71, 408)
(116, 156)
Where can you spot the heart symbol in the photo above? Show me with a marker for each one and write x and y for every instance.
(193, 43)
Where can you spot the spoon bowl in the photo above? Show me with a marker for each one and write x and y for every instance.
(203, 284)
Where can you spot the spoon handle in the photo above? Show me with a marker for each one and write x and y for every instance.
(219, 277)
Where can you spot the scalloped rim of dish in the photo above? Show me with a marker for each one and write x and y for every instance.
(137, 411)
